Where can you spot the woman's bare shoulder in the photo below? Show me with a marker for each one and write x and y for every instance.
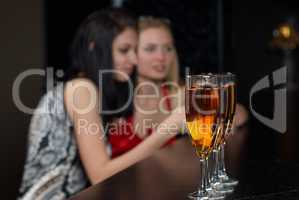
(79, 86)
(80, 93)
(79, 82)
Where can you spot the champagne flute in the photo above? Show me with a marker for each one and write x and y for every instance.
(202, 115)
(230, 85)
(227, 102)
(215, 178)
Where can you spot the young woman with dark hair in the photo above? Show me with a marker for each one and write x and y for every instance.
(68, 133)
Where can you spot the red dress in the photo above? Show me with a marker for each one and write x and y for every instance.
(122, 137)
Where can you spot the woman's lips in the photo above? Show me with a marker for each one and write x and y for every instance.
(159, 68)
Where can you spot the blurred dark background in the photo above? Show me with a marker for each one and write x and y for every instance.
(211, 35)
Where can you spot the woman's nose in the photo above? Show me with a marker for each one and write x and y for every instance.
(133, 58)
(160, 55)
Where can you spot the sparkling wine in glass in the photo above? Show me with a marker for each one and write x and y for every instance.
(202, 117)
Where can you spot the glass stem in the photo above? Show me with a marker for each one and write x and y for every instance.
(204, 178)
(208, 174)
(216, 167)
(222, 167)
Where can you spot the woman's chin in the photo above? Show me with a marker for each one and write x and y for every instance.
(158, 77)
(124, 77)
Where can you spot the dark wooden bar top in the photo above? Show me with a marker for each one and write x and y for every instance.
(173, 172)
(265, 161)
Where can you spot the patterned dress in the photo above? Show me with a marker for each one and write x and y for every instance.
(53, 169)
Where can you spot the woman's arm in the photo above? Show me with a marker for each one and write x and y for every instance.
(89, 132)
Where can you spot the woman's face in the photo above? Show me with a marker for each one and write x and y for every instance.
(124, 53)
(155, 53)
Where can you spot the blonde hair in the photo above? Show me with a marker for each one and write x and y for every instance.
(146, 22)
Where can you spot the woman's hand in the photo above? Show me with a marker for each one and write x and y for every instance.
(241, 116)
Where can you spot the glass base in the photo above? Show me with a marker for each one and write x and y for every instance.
(228, 182)
(223, 190)
(210, 195)
(198, 195)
